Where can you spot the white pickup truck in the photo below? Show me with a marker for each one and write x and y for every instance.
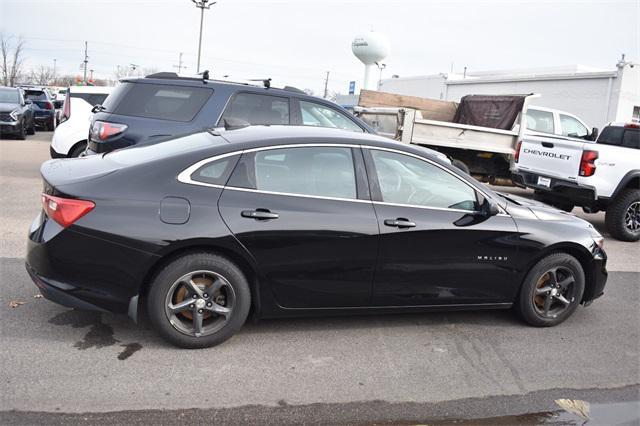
(479, 135)
(600, 175)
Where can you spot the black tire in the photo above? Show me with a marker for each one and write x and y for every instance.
(528, 304)
(626, 203)
(32, 128)
(77, 150)
(51, 125)
(460, 165)
(562, 205)
(165, 280)
(22, 133)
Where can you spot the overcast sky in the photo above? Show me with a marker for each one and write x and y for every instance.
(296, 41)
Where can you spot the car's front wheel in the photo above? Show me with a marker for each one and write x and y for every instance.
(22, 131)
(552, 290)
(32, 128)
(199, 300)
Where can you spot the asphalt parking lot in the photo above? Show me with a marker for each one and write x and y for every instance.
(399, 368)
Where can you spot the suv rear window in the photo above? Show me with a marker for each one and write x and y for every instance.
(35, 95)
(164, 102)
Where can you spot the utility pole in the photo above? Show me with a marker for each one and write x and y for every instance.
(91, 76)
(180, 66)
(202, 5)
(86, 61)
(54, 69)
(326, 84)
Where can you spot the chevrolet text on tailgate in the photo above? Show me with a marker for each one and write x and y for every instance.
(600, 175)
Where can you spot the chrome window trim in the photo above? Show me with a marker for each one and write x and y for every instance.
(185, 175)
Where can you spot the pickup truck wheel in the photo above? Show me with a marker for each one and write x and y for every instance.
(460, 165)
(623, 216)
(551, 291)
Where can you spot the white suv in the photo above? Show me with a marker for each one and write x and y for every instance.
(601, 175)
(70, 137)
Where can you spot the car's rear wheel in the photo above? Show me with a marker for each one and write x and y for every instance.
(199, 300)
(623, 216)
(552, 290)
(78, 149)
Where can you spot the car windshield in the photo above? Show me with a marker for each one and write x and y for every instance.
(9, 96)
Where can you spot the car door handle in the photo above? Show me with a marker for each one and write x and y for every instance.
(259, 214)
(400, 223)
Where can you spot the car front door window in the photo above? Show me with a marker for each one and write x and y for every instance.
(410, 181)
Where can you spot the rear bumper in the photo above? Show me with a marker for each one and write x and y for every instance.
(560, 189)
(75, 269)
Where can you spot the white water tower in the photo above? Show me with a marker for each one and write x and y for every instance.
(370, 47)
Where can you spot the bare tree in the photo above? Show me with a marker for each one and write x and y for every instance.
(42, 76)
(11, 61)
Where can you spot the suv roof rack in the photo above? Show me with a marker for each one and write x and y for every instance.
(293, 89)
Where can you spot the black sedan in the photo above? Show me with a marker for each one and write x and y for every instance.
(204, 229)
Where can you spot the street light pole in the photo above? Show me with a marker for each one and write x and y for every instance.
(202, 5)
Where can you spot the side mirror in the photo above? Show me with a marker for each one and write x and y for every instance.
(594, 134)
(489, 208)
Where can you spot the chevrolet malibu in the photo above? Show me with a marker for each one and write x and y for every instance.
(205, 229)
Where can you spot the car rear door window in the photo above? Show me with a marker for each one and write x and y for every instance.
(408, 180)
(257, 109)
(215, 172)
(314, 114)
(572, 127)
(539, 121)
(164, 102)
(312, 171)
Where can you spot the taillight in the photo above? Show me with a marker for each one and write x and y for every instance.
(65, 211)
(48, 105)
(66, 107)
(101, 130)
(588, 163)
(516, 156)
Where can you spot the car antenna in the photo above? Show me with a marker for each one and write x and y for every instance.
(205, 76)
(265, 81)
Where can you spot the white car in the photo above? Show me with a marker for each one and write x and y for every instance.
(70, 138)
(601, 175)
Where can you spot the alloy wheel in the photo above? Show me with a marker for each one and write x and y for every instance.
(200, 303)
(554, 292)
(632, 217)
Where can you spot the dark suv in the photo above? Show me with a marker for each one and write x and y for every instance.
(16, 115)
(160, 105)
(44, 111)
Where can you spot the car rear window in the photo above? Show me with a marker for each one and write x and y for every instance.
(164, 102)
(35, 95)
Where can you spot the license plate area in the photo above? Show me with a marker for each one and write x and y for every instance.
(544, 181)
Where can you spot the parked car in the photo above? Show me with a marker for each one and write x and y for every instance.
(16, 115)
(43, 109)
(161, 105)
(291, 220)
(601, 175)
(70, 137)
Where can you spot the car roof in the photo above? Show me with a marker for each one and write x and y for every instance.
(264, 136)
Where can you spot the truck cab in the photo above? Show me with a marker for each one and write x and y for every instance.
(547, 121)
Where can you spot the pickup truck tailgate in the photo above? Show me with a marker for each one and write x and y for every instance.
(555, 157)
